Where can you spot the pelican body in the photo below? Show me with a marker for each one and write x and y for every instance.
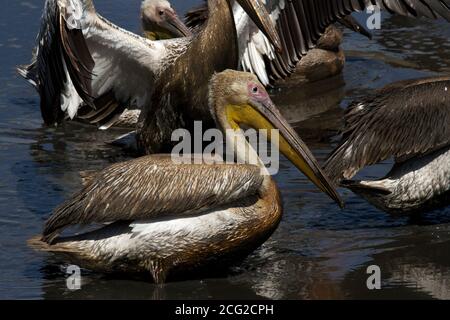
(419, 184)
(169, 219)
(410, 121)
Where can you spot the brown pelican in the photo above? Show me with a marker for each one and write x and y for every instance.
(160, 21)
(128, 68)
(410, 121)
(169, 219)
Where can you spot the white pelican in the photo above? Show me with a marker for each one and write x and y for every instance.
(410, 121)
(168, 219)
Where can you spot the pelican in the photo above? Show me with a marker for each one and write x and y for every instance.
(169, 219)
(300, 24)
(160, 21)
(91, 61)
(196, 18)
(410, 121)
(128, 69)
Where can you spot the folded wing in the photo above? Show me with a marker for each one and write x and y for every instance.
(151, 187)
(403, 120)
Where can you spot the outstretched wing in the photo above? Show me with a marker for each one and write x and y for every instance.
(300, 23)
(60, 61)
(256, 53)
(95, 63)
(403, 120)
(152, 186)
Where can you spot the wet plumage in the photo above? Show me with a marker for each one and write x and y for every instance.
(409, 121)
(300, 24)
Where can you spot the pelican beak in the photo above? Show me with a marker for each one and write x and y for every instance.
(258, 13)
(175, 26)
(267, 116)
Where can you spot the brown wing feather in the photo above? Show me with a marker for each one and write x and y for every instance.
(152, 186)
(351, 23)
(79, 61)
(47, 70)
(402, 120)
(302, 22)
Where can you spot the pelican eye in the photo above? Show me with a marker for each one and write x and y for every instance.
(161, 12)
(255, 89)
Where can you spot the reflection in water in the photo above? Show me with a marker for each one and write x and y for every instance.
(428, 278)
(419, 266)
(301, 103)
(318, 250)
(429, 50)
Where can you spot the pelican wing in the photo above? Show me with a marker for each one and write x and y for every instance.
(89, 60)
(61, 60)
(300, 24)
(403, 120)
(197, 17)
(151, 187)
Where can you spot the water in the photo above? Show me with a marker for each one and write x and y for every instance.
(318, 252)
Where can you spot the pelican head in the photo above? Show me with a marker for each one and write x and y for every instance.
(239, 99)
(160, 21)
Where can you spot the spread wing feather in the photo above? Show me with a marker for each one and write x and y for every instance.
(61, 67)
(96, 63)
(300, 24)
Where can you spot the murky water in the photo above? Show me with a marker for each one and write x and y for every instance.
(318, 251)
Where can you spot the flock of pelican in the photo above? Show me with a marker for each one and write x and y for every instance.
(170, 220)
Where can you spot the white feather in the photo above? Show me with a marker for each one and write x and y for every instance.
(70, 100)
(253, 44)
(125, 63)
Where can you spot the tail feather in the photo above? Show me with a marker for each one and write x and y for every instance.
(29, 73)
(38, 243)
